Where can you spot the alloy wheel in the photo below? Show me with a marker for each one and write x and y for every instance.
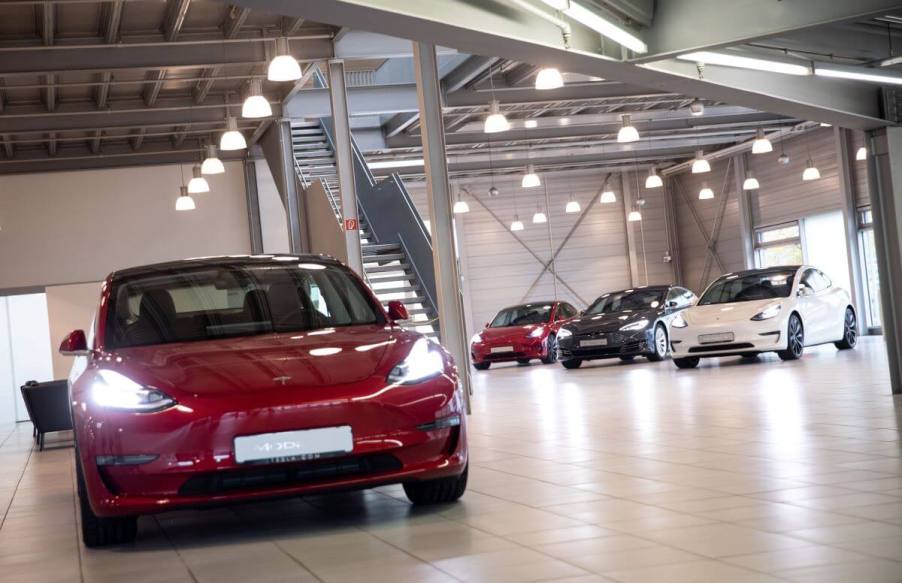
(661, 341)
(796, 336)
(851, 330)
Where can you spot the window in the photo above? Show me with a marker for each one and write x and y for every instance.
(778, 245)
(868, 252)
(524, 315)
(626, 300)
(815, 280)
(762, 285)
(678, 296)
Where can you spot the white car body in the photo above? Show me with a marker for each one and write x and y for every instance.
(822, 312)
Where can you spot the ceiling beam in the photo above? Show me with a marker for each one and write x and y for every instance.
(291, 25)
(176, 11)
(232, 24)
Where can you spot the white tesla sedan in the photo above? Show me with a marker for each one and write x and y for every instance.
(780, 309)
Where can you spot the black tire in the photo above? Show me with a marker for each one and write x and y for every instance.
(659, 352)
(850, 331)
(572, 363)
(523, 361)
(97, 531)
(688, 362)
(482, 365)
(440, 491)
(795, 339)
(628, 358)
(552, 350)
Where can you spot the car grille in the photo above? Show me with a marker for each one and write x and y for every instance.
(286, 475)
(721, 347)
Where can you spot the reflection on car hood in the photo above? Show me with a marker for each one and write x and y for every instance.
(610, 322)
(508, 333)
(732, 312)
(312, 359)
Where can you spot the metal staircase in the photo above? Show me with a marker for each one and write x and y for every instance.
(386, 265)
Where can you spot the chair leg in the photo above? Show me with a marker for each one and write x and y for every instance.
(41, 442)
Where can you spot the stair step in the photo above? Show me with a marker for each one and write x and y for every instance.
(404, 276)
(396, 290)
(383, 257)
(414, 300)
(371, 248)
(383, 268)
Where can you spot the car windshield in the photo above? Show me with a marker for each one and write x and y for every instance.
(522, 315)
(626, 300)
(207, 302)
(762, 285)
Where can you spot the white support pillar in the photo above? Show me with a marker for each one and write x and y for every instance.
(629, 204)
(850, 221)
(444, 257)
(344, 161)
(673, 235)
(746, 221)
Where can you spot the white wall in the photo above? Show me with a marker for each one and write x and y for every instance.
(273, 220)
(69, 307)
(25, 352)
(73, 227)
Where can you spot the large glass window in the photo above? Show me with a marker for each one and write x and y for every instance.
(868, 252)
(778, 245)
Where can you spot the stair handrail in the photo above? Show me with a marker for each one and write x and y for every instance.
(306, 182)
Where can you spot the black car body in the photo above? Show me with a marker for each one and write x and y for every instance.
(623, 324)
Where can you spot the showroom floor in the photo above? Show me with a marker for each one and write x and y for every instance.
(739, 472)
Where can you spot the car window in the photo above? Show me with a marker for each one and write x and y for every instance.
(814, 280)
(677, 295)
(641, 299)
(746, 287)
(827, 281)
(522, 315)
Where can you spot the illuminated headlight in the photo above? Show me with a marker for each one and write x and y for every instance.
(421, 363)
(476, 339)
(637, 325)
(564, 333)
(537, 332)
(679, 322)
(768, 312)
(116, 391)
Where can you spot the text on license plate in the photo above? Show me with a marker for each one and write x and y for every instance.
(713, 338)
(593, 342)
(303, 444)
(502, 349)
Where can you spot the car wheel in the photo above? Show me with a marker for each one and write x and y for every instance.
(572, 363)
(523, 361)
(440, 491)
(628, 358)
(850, 332)
(659, 350)
(97, 531)
(482, 365)
(795, 341)
(688, 362)
(551, 358)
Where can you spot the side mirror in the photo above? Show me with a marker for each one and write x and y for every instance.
(672, 304)
(397, 311)
(804, 291)
(75, 344)
(487, 324)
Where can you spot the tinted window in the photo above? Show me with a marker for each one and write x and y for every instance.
(760, 285)
(202, 303)
(677, 295)
(522, 315)
(626, 300)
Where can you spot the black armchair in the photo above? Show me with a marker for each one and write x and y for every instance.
(48, 407)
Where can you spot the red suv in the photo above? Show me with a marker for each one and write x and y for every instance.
(521, 333)
(219, 380)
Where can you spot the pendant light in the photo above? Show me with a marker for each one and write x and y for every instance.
(255, 105)
(184, 202)
(460, 206)
(530, 179)
(750, 183)
(283, 67)
(549, 78)
(496, 122)
(761, 145)
(811, 172)
(634, 216)
(198, 183)
(212, 164)
(861, 154)
(232, 139)
(784, 157)
(627, 132)
(697, 108)
(700, 165)
(517, 224)
(539, 217)
(705, 193)
(607, 196)
(653, 180)
(572, 206)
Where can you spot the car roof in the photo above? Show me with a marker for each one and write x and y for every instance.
(548, 303)
(774, 269)
(223, 261)
(639, 288)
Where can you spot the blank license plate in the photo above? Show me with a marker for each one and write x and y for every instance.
(303, 444)
(502, 349)
(714, 338)
(594, 342)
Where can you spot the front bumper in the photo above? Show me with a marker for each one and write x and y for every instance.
(618, 344)
(748, 338)
(523, 348)
(195, 466)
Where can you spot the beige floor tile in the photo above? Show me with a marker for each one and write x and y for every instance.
(848, 532)
(722, 540)
(807, 556)
(692, 572)
(875, 571)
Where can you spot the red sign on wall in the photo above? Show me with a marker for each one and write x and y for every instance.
(351, 224)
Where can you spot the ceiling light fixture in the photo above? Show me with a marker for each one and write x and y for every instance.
(697, 108)
(705, 193)
(750, 183)
(634, 216)
(496, 122)
(530, 179)
(607, 196)
(198, 183)
(283, 67)
(539, 217)
(517, 224)
(604, 27)
(700, 165)
(811, 172)
(857, 74)
(212, 164)
(761, 145)
(572, 206)
(461, 206)
(627, 132)
(232, 139)
(255, 105)
(653, 180)
(530, 123)
(861, 154)
(728, 60)
(549, 78)
(184, 202)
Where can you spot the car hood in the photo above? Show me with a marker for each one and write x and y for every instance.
(733, 312)
(312, 359)
(508, 333)
(610, 322)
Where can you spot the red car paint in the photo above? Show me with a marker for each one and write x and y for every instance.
(525, 347)
(225, 388)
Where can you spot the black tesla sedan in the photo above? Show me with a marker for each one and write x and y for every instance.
(625, 324)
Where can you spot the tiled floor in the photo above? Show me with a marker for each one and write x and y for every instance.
(740, 472)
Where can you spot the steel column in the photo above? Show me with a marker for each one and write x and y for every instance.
(255, 228)
(885, 186)
(344, 160)
(746, 221)
(291, 192)
(673, 236)
(450, 302)
(628, 205)
(850, 218)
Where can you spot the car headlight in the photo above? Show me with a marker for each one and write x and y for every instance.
(537, 332)
(564, 333)
(421, 363)
(768, 312)
(476, 339)
(679, 322)
(116, 391)
(637, 325)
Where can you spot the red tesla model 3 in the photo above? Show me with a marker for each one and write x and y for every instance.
(521, 333)
(218, 380)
